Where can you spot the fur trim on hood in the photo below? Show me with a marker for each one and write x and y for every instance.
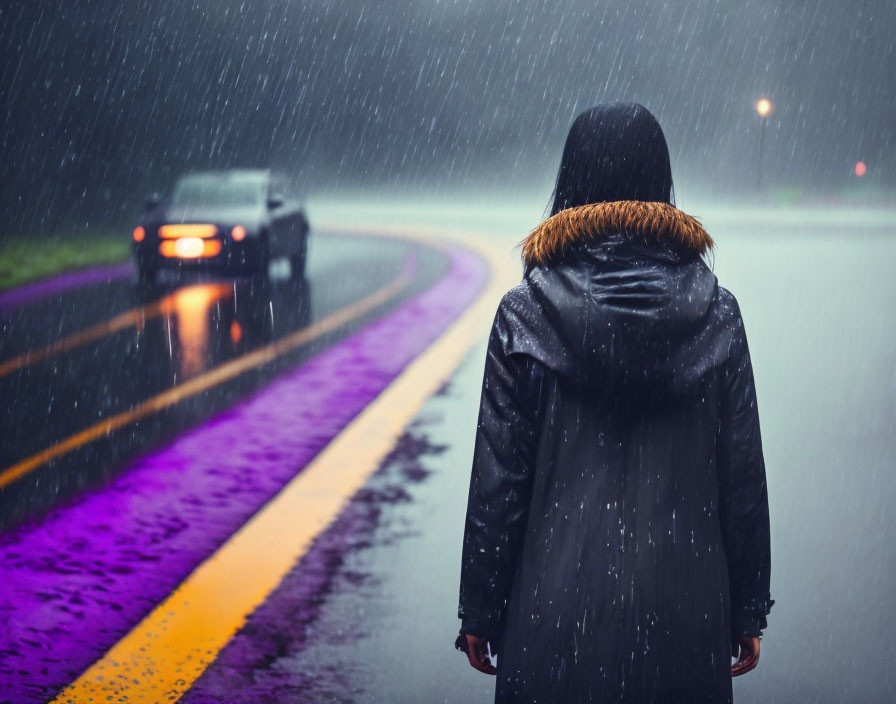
(644, 220)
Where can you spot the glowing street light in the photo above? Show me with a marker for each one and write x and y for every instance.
(764, 108)
(860, 169)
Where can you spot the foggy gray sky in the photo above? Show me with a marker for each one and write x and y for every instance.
(105, 100)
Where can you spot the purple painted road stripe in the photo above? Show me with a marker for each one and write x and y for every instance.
(75, 583)
(61, 283)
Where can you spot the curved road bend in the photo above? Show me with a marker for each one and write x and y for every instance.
(96, 375)
(272, 379)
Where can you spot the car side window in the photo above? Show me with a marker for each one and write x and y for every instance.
(275, 187)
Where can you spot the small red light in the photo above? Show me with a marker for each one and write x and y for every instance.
(860, 168)
(139, 234)
(236, 332)
(238, 233)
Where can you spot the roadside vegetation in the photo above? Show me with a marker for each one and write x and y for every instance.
(24, 259)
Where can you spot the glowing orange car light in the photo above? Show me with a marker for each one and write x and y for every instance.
(139, 234)
(189, 248)
(238, 233)
(236, 332)
(200, 230)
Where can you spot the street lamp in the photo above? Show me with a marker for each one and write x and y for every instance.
(764, 108)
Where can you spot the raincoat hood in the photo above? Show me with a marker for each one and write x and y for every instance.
(623, 293)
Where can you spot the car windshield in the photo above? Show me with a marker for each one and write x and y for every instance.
(217, 192)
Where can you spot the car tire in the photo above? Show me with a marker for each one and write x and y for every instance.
(297, 265)
(260, 271)
(257, 267)
(146, 276)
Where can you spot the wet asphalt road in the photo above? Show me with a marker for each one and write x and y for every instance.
(378, 607)
(369, 612)
(125, 345)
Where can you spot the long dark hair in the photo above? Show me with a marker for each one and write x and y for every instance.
(615, 151)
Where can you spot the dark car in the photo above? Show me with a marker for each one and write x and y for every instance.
(229, 221)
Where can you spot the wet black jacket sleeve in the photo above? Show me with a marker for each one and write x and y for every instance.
(499, 486)
(743, 493)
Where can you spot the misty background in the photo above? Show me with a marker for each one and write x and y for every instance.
(104, 101)
(375, 108)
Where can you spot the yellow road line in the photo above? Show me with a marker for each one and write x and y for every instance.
(122, 321)
(213, 377)
(164, 654)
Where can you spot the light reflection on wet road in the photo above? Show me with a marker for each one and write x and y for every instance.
(113, 554)
(117, 345)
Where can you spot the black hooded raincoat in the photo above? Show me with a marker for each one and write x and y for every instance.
(617, 531)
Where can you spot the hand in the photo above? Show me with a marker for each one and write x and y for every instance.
(477, 654)
(749, 655)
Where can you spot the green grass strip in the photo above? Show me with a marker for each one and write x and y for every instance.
(24, 259)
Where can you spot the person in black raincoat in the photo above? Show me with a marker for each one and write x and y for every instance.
(617, 533)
